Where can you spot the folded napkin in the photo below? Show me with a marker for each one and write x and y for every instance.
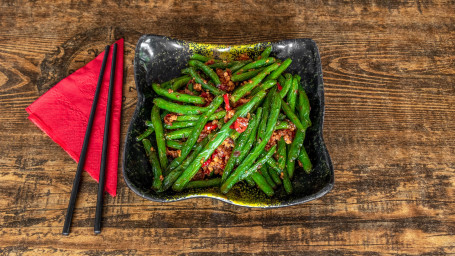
(64, 110)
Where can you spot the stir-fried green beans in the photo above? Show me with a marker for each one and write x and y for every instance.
(154, 162)
(191, 71)
(199, 126)
(225, 121)
(224, 132)
(208, 71)
(182, 97)
(241, 91)
(177, 108)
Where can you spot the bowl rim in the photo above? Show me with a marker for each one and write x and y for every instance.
(140, 100)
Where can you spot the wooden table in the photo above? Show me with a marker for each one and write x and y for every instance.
(388, 69)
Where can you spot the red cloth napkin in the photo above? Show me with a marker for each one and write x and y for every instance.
(64, 110)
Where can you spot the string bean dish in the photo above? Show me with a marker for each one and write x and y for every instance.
(222, 122)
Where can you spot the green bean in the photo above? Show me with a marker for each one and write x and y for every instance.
(162, 115)
(174, 144)
(199, 57)
(249, 180)
(281, 154)
(258, 164)
(265, 116)
(282, 81)
(177, 108)
(286, 86)
(265, 172)
(282, 125)
(182, 97)
(266, 53)
(179, 125)
(198, 79)
(281, 117)
(291, 115)
(179, 134)
(292, 94)
(275, 74)
(236, 151)
(172, 176)
(251, 138)
(218, 115)
(239, 65)
(199, 126)
(154, 162)
(304, 106)
(293, 153)
(245, 75)
(264, 86)
(160, 142)
(222, 134)
(180, 83)
(235, 135)
(274, 175)
(204, 183)
(243, 172)
(241, 91)
(185, 118)
(283, 174)
(145, 134)
(204, 68)
(169, 83)
(262, 184)
(304, 160)
(215, 116)
(274, 111)
(297, 144)
(256, 64)
(229, 166)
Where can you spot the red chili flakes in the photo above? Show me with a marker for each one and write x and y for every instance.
(240, 124)
(226, 102)
(279, 86)
(207, 162)
(210, 126)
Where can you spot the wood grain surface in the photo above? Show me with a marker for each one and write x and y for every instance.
(389, 73)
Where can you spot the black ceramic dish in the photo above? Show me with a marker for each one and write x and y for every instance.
(159, 59)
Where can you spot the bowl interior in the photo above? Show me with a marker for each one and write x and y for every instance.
(159, 59)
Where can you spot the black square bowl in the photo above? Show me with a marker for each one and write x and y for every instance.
(160, 58)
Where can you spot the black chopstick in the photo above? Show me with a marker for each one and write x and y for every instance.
(80, 165)
(99, 201)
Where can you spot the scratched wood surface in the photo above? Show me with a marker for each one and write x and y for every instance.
(388, 69)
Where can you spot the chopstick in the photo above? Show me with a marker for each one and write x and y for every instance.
(80, 165)
(99, 201)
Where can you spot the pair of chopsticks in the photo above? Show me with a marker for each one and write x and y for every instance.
(80, 165)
